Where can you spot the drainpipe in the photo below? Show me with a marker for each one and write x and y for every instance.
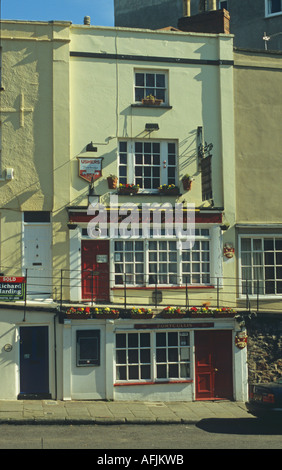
(186, 7)
(55, 356)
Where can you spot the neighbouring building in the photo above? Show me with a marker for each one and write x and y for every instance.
(75, 112)
(250, 21)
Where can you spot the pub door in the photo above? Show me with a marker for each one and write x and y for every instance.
(213, 364)
(95, 270)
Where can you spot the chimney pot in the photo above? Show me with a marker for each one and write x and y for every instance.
(87, 20)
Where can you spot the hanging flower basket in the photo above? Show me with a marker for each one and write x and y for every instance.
(169, 189)
(187, 182)
(112, 182)
(128, 189)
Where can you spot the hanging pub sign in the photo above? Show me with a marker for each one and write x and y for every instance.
(90, 169)
(12, 288)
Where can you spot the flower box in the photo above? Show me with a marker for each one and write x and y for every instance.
(105, 315)
(151, 102)
(141, 316)
(78, 316)
(130, 189)
(173, 312)
(170, 190)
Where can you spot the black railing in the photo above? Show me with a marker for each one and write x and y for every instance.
(92, 287)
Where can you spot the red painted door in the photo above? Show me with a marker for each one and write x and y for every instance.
(95, 270)
(213, 360)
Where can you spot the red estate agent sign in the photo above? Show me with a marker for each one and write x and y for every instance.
(12, 288)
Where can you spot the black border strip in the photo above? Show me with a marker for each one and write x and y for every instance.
(141, 58)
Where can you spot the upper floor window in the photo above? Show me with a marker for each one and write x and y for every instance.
(261, 265)
(150, 83)
(273, 6)
(149, 164)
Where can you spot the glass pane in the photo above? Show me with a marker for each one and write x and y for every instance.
(146, 372)
(173, 339)
(121, 356)
(161, 355)
(132, 340)
(278, 244)
(257, 244)
(184, 371)
(133, 372)
(163, 256)
(145, 339)
(132, 356)
(173, 354)
(246, 244)
(160, 80)
(173, 370)
(139, 79)
(246, 259)
(120, 340)
(121, 373)
(268, 244)
(139, 94)
(145, 355)
(161, 371)
(269, 258)
(161, 339)
(150, 79)
(184, 339)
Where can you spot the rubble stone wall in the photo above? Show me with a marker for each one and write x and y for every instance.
(264, 348)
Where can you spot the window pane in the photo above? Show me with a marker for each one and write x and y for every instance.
(145, 339)
(161, 339)
(146, 372)
(121, 356)
(120, 340)
(161, 371)
(246, 244)
(173, 370)
(133, 372)
(132, 340)
(139, 79)
(161, 355)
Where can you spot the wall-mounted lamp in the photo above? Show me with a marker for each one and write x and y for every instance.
(72, 226)
(92, 197)
(90, 148)
(150, 126)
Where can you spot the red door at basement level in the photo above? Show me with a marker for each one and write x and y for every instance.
(213, 359)
(95, 270)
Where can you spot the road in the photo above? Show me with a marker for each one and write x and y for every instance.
(208, 434)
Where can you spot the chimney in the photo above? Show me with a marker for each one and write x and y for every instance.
(215, 21)
(87, 20)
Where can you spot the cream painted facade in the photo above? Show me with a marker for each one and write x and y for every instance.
(258, 110)
(65, 86)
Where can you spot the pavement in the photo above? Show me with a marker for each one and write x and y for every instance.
(112, 412)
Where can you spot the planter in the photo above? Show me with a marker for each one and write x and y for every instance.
(187, 184)
(124, 191)
(105, 315)
(224, 315)
(112, 182)
(201, 315)
(169, 192)
(78, 316)
(151, 102)
(141, 316)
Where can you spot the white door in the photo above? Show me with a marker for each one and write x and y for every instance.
(37, 260)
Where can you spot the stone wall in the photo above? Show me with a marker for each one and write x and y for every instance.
(264, 347)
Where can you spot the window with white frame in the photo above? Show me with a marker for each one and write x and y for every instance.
(148, 164)
(273, 7)
(261, 265)
(153, 356)
(161, 261)
(150, 83)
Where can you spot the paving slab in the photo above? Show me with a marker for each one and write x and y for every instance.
(109, 412)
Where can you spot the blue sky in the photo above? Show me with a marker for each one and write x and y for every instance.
(100, 11)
